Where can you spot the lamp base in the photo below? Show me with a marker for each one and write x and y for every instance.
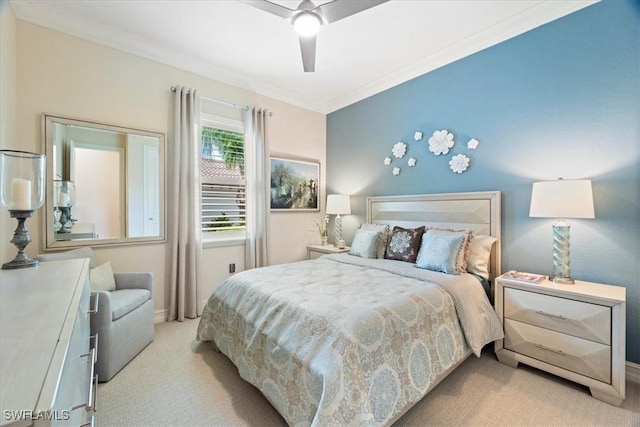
(562, 280)
(340, 244)
(561, 271)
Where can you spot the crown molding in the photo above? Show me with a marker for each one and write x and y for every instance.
(43, 15)
(533, 17)
(49, 17)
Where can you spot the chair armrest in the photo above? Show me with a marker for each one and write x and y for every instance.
(134, 281)
(104, 315)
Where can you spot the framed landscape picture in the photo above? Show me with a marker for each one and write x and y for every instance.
(295, 184)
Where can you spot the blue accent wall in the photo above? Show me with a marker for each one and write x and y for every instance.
(562, 100)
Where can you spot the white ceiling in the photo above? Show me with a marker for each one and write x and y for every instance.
(232, 42)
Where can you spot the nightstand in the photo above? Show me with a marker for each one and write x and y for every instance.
(573, 331)
(314, 251)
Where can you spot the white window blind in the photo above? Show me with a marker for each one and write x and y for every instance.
(223, 184)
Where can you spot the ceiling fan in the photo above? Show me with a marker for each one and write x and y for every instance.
(308, 18)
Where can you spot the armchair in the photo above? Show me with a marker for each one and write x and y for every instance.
(124, 320)
(123, 323)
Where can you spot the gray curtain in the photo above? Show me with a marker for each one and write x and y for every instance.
(257, 187)
(185, 237)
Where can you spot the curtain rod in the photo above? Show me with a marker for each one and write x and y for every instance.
(228, 104)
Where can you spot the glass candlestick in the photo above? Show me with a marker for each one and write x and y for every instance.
(22, 192)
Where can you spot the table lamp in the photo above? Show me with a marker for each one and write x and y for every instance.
(338, 204)
(560, 199)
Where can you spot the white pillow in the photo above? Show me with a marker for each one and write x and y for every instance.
(384, 238)
(479, 253)
(101, 278)
(365, 243)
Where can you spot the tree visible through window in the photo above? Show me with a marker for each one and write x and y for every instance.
(223, 184)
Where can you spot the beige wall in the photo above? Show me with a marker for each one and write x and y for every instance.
(67, 76)
(8, 139)
(295, 132)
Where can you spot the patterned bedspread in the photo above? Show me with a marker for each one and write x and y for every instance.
(341, 340)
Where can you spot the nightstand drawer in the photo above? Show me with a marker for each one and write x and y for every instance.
(574, 354)
(580, 319)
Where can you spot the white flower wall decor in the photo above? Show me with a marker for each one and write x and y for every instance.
(459, 163)
(473, 144)
(399, 149)
(440, 142)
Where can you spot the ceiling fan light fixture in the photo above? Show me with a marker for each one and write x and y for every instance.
(307, 24)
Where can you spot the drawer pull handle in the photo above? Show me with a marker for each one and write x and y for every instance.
(89, 405)
(95, 347)
(553, 350)
(93, 395)
(94, 310)
(90, 354)
(89, 423)
(93, 389)
(555, 316)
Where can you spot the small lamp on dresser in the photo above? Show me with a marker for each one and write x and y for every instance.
(338, 204)
(560, 199)
(22, 192)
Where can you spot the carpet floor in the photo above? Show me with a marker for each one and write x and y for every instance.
(177, 381)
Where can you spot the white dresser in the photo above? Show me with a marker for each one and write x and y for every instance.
(573, 331)
(46, 363)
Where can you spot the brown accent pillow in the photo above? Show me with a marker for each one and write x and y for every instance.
(404, 244)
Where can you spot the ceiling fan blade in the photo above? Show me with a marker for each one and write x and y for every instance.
(308, 51)
(339, 9)
(273, 8)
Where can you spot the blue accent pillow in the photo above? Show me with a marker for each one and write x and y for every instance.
(365, 243)
(441, 250)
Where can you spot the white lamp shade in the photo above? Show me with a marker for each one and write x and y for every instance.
(563, 198)
(338, 204)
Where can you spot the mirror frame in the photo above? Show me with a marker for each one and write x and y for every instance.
(49, 242)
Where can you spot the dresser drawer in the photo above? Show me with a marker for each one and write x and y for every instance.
(580, 319)
(582, 356)
(73, 390)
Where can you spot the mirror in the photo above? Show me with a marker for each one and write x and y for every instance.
(105, 184)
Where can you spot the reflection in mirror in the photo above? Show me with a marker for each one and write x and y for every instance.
(105, 185)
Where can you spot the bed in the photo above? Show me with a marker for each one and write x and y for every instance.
(358, 340)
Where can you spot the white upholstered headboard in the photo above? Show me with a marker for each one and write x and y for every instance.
(477, 211)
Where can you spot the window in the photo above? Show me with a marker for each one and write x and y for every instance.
(223, 182)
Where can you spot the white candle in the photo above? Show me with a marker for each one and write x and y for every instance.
(63, 199)
(20, 194)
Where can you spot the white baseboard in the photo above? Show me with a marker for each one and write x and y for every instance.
(633, 372)
(160, 316)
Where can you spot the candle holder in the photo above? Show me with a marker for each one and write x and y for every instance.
(22, 192)
(64, 197)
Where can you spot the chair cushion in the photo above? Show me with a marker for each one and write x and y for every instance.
(125, 301)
